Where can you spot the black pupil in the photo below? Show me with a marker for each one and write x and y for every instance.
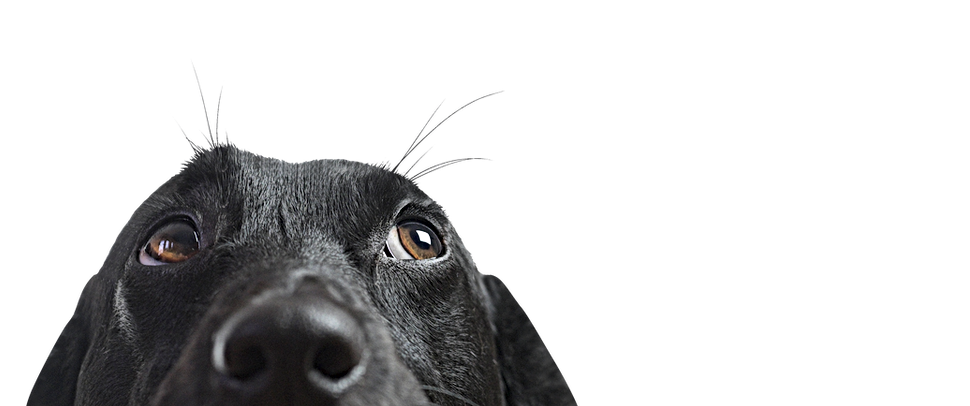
(179, 234)
(420, 237)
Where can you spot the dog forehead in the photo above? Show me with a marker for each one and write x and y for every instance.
(260, 198)
(326, 179)
(243, 171)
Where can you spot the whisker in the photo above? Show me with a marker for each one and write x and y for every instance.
(204, 109)
(218, 107)
(195, 147)
(411, 148)
(416, 162)
(442, 165)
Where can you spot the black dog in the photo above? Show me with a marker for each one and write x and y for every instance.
(246, 280)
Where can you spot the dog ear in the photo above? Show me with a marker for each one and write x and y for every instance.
(529, 374)
(55, 381)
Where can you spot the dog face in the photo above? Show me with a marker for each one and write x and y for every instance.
(245, 280)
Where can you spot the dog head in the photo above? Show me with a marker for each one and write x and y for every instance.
(245, 280)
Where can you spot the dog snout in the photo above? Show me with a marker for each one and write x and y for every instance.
(301, 345)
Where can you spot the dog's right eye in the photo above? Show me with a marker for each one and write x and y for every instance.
(411, 240)
(176, 241)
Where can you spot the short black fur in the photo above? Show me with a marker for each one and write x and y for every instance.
(272, 234)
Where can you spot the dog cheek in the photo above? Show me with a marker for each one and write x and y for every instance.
(188, 380)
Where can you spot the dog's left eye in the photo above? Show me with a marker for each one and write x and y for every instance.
(413, 240)
(176, 241)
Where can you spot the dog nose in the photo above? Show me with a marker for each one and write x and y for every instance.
(291, 347)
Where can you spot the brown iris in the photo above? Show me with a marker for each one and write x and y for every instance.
(176, 241)
(419, 240)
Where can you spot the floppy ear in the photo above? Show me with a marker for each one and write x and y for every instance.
(530, 375)
(55, 381)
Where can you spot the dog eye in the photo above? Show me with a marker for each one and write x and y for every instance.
(412, 240)
(176, 241)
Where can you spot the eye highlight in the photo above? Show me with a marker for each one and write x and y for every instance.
(410, 240)
(173, 242)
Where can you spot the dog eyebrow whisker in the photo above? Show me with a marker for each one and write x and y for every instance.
(220, 99)
(430, 126)
(211, 118)
(435, 111)
(200, 92)
(468, 104)
(445, 164)
(213, 130)
(184, 133)
(416, 162)
(422, 135)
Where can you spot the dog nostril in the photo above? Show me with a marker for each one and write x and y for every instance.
(243, 361)
(336, 358)
(299, 343)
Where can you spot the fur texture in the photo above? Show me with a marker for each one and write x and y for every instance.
(272, 233)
